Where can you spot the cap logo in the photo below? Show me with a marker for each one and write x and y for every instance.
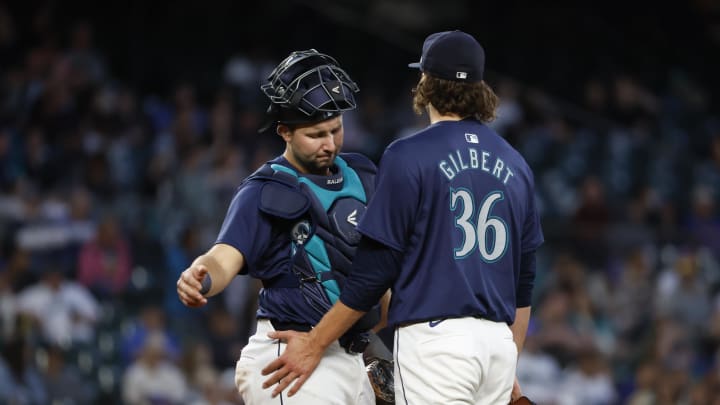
(336, 89)
(461, 75)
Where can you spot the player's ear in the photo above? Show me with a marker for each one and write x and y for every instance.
(284, 131)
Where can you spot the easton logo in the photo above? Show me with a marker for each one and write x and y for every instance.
(336, 89)
(352, 218)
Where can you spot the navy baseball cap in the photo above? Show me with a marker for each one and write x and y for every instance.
(452, 55)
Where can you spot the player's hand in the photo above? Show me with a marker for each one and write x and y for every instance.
(189, 285)
(298, 361)
(516, 391)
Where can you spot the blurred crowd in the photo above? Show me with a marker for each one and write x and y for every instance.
(108, 192)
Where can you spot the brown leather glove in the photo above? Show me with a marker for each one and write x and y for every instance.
(380, 372)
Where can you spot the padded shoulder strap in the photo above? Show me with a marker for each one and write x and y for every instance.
(360, 163)
(280, 195)
(281, 201)
(364, 168)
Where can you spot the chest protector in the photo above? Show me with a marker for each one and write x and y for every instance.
(323, 228)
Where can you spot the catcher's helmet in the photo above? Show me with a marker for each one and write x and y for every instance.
(308, 86)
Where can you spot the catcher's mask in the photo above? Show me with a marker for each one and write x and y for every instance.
(306, 87)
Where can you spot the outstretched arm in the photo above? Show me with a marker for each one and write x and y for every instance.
(209, 274)
(304, 350)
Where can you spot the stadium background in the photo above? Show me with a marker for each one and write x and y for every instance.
(125, 127)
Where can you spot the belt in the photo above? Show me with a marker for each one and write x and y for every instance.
(442, 318)
(300, 327)
(353, 344)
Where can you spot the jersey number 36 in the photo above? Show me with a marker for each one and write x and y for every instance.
(488, 234)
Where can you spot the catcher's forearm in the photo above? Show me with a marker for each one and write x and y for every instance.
(334, 324)
(384, 305)
(223, 263)
(520, 326)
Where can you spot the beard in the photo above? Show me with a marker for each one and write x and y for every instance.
(319, 165)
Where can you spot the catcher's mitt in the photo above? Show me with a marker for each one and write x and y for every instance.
(522, 401)
(380, 372)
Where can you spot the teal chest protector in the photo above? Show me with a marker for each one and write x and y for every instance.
(322, 228)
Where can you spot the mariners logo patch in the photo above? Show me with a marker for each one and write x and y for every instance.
(300, 232)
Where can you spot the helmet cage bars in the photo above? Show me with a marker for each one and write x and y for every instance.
(310, 82)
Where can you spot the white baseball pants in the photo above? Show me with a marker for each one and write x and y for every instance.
(339, 379)
(453, 362)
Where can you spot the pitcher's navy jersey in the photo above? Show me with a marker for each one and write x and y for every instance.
(458, 202)
(266, 241)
